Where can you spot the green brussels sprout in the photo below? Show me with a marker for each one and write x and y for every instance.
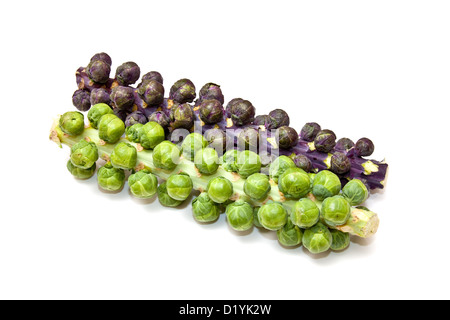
(207, 161)
(133, 133)
(79, 173)
(166, 155)
(164, 198)
(96, 112)
(219, 189)
(294, 183)
(326, 184)
(341, 240)
(255, 218)
(179, 186)
(248, 163)
(151, 135)
(83, 154)
(355, 191)
(192, 143)
(124, 156)
(72, 123)
(110, 128)
(240, 215)
(279, 166)
(228, 160)
(143, 184)
(317, 239)
(305, 213)
(257, 186)
(335, 211)
(204, 209)
(272, 216)
(290, 235)
(110, 178)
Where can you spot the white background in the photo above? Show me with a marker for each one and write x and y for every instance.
(379, 69)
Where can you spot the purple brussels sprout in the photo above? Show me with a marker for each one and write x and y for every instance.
(303, 162)
(211, 91)
(100, 95)
(153, 75)
(161, 118)
(340, 163)
(135, 117)
(182, 116)
(241, 111)
(364, 147)
(121, 114)
(152, 92)
(211, 111)
(182, 91)
(287, 137)
(248, 139)
(262, 120)
(102, 56)
(81, 99)
(309, 131)
(344, 144)
(278, 118)
(122, 98)
(128, 73)
(98, 71)
(217, 139)
(325, 141)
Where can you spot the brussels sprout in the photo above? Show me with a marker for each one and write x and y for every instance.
(135, 117)
(193, 143)
(344, 144)
(364, 147)
(341, 240)
(98, 71)
(248, 163)
(100, 95)
(204, 209)
(294, 183)
(151, 135)
(326, 184)
(166, 155)
(325, 141)
(143, 184)
(211, 91)
(279, 166)
(84, 154)
(152, 92)
(124, 156)
(164, 197)
(248, 139)
(240, 215)
(72, 123)
(340, 163)
(228, 160)
(153, 75)
(110, 178)
(102, 56)
(335, 211)
(97, 111)
(310, 131)
(317, 239)
(133, 133)
(278, 118)
(305, 213)
(182, 91)
(207, 161)
(122, 98)
(255, 218)
(290, 235)
(272, 216)
(79, 173)
(262, 120)
(217, 139)
(211, 111)
(219, 189)
(121, 114)
(287, 137)
(161, 118)
(110, 128)
(241, 111)
(355, 191)
(182, 116)
(128, 73)
(179, 186)
(81, 99)
(303, 162)
(257, 186)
